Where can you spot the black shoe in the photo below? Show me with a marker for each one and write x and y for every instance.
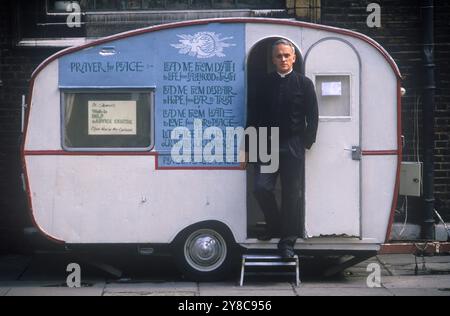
(265, 237)
(287, 253)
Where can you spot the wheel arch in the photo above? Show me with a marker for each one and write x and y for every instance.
(212, 224)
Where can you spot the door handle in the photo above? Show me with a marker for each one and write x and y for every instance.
(356, 152)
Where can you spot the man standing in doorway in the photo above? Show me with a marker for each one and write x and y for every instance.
(286, 100)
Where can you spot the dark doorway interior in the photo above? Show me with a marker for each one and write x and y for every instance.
(259, 65)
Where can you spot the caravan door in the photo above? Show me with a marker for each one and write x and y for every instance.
(333, 165)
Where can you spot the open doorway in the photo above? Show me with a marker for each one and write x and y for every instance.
(259, 65)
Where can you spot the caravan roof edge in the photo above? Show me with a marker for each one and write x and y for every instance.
(156, 28)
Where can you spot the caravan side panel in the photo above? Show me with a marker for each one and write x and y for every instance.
(117, 199)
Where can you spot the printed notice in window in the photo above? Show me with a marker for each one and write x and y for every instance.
(331, 89)
(112, 117)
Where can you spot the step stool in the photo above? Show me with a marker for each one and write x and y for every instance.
(270, 261)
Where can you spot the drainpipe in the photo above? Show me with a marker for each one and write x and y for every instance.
(429, 87)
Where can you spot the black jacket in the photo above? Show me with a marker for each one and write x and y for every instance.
(290, 104)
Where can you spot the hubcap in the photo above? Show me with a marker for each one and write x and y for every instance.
(205, 250)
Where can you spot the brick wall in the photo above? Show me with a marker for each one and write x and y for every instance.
(442, 55)
(4, 33)
(16, 66)
(306, 10)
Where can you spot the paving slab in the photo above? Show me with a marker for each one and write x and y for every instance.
(4, 291)
(249, 289)
(252, 293)
(43, 284)
(417, 282)
(397, 259)
(251, 284)
(404, 270)
(152, 289)
(430, 269)
(148, 293)
(438, 268)
(96, 290)
(348, 283)
(246, 292)
(420, 292)
(327, 291)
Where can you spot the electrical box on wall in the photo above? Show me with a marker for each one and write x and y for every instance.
(411, 179)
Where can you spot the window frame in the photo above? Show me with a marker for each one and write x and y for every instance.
(337, 118)
(59, 13)
(167, 8)
(112, 90)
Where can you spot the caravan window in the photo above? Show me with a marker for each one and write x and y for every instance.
(334, 97)
(107, 120)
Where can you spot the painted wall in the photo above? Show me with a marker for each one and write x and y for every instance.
(196, 73)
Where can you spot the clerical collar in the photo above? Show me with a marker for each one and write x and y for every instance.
(286, 74)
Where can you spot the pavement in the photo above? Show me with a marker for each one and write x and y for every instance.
(46, 275)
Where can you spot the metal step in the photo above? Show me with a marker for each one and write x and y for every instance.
(269, 261)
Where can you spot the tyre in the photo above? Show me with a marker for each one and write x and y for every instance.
(205, 252)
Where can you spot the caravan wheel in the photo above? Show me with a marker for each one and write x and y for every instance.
(205, 254)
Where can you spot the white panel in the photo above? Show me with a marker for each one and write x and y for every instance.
(332, 184)
(379, 105)
(124, 200)
(379, 91)
(332, 196)
(44, 125)
(379, 177)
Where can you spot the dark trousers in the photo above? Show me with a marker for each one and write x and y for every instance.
(287, 221)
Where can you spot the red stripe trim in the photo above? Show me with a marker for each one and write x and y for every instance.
(29, 153)
(137, 153)
(127, 153)
(85, 153)
(201, 168)
(399, 161)
(380, 152)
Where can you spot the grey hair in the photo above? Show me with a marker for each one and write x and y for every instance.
(283, 41)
